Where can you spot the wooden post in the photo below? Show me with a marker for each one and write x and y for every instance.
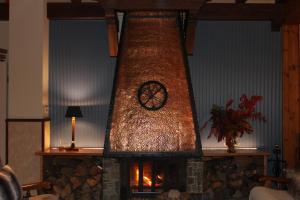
(291, 95)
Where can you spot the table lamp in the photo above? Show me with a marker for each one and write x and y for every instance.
(73, 112)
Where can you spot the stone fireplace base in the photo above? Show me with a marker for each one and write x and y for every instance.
(74, 177)
(217, 176)
(111, 179)
(214, 176)
(112, 182)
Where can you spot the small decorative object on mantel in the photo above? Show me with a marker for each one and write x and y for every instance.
(229, 124)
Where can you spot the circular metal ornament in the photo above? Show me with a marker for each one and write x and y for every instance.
(152, 95)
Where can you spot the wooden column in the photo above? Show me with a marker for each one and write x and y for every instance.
(27, 87)
(291, 95)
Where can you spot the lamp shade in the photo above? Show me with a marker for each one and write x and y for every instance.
(73, 111)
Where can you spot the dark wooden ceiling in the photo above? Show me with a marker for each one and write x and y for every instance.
(282, 12)
(285, 11)
(4, 12)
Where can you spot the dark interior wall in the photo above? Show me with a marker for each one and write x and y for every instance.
(230, 59)
(235, 58)
(81, 73)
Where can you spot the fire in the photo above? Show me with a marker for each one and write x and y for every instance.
(159, 177)
(137, 175)
(146, 180)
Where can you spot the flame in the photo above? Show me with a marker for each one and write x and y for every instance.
(146, 180)
(137, 175)
(159, 177)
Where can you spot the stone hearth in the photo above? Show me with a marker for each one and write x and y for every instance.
(209, 178)
(112, 180)
(217, 176)
(74, 177)
(231, 178)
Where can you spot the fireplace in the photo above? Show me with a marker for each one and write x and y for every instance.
(152, 141)
(149, 177)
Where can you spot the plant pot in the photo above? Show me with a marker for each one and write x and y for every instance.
(231, 149)
(230, 143)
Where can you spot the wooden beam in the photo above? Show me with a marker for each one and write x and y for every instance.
(70, 11)
(4, 12)
(190, 32)
(291, 95)
(240, 1)
(292, 12)
(126, 5)
(227, 11)
(112, 31)
(209, 11)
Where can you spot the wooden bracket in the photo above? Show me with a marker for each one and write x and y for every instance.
(190, 32)
(112, 31)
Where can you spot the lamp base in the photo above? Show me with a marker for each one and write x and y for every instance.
(72, 148)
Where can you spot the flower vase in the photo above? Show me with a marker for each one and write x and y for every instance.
(230, 143)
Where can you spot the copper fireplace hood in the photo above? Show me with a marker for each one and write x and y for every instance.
(152, 111)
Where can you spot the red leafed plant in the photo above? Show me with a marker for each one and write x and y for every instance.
(228, 124)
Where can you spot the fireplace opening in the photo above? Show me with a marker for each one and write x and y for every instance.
(146, 176)
(152, 176)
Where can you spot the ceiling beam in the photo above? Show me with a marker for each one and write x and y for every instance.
(4, 12)
(209, 11)
(240, 11)
(112, 25)
(72, 11)
(126, 5)
(292, 11)
(190, 32)
(240, 1)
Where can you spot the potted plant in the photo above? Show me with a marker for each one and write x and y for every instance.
(228, 124)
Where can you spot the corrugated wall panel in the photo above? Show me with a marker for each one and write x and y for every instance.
(230, 59)
(81, 73)
(235, 58)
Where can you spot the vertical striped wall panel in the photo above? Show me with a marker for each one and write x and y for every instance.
(230, 59)
(235, 58)
(81, 73)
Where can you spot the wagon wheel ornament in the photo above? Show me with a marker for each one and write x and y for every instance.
(152, 95)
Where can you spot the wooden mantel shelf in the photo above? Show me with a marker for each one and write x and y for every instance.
(81, 152)
(206, 154)
(99, 152)
(239, 152)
